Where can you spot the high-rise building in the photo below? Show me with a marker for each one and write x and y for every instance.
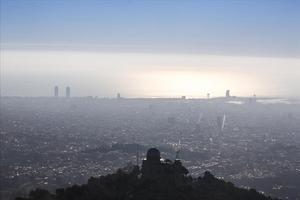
(68, 92)
(56, 91)
(208, 95)
(118, 96)
(227, 93)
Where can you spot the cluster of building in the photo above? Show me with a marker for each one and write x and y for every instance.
(68, 91)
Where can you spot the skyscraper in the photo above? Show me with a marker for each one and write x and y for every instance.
(227, 93)
(68, 92)
(118, 96)
(56, 91)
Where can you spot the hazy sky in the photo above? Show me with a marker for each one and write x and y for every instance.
(150, 48)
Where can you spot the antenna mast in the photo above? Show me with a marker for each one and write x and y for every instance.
(178, 147)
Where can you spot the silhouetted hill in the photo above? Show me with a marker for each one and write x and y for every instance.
(156, 180)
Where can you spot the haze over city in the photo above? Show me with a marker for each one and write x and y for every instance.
(150, 99)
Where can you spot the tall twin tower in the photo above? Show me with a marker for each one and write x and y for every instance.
(68, 91)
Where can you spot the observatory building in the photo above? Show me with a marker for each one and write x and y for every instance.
(153, 166)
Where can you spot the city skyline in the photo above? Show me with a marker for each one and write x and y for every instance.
(27, 78)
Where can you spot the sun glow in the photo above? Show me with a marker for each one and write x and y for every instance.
(146, 75)
(193, 84)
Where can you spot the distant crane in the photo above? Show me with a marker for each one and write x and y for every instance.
(137, 151)
(137, 154)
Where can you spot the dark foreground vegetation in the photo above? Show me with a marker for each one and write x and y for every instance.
(156, 180)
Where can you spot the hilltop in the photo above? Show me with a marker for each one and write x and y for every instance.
(157, 179)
